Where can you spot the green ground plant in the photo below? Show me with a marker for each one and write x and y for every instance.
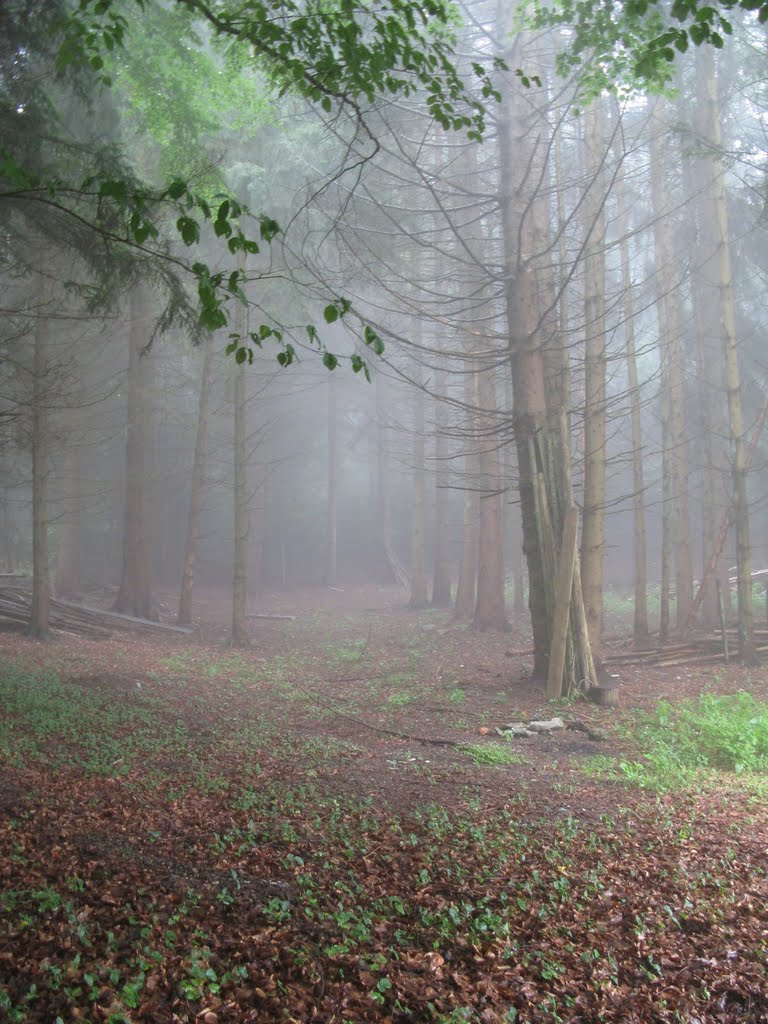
(353, 889)
(491, 754)
(701, 741)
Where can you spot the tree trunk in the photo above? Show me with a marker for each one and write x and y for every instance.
(441, 580)
(666, 512)
(41, 584)
(240, 563)
(184, 616)
(710, 345)
(672, 372)
(593, 524)
(134, 596)
(525, 342)
(464, 605)
(8, 532)
(543, 453)
(419, 590)
(747, 652)
(332, 507)
(490, 612)
(68, 554)
(640, 630)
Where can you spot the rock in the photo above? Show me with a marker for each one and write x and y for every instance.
(552, 725)
(515, 730)
(577, 725)
(592, 731)
(599, 735)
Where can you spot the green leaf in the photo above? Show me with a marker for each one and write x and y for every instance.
(268, 229)
(372, 339)
(176, 189)
(285, 358)
(330, 313)
(330, 362)
(117, 190)
(189, 230)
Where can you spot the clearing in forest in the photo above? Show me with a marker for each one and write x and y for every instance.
(316, 829)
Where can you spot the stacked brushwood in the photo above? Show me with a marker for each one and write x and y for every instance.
(15, 607)
(68, 617)
(701, 649)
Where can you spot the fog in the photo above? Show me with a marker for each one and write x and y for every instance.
(383, 534)
(590, 235)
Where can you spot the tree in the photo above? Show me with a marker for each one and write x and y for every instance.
(671, 360)
(593, 527)
(419, 596)
(41, 581)
(635, 42)
(134, 596)
(184, 614)
(737, 429)
(340, 59)
(640, 628)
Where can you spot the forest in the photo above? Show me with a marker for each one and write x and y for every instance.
(383, 530)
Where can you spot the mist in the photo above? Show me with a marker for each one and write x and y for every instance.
(383, 535)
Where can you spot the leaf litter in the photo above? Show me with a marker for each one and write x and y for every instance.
(221, 864)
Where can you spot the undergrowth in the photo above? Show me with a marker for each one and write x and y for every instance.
(491, 753)
(163, 873)
(694, 743)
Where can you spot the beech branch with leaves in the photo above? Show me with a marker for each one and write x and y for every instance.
(633, 43)
(344, 56)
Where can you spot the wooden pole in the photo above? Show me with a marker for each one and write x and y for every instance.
(562, 603)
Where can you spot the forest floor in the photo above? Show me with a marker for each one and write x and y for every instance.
(321, 827)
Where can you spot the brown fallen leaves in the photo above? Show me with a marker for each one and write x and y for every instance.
(123, 906)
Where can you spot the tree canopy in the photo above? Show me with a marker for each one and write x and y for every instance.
(619, 43)
(341, 57)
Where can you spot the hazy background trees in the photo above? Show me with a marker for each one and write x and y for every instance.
(572, 311)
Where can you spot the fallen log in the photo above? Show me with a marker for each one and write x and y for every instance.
(131, 621)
